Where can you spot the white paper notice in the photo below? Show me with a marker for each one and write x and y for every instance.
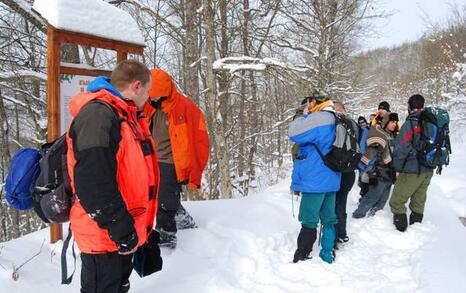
(70, 86)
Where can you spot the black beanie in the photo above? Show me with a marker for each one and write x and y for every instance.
(384, 105)
(361, 119)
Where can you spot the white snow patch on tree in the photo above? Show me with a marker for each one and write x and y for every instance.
(22, 74)
(234, 64)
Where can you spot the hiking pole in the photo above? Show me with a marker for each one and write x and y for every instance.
(15, 274)
(320, 233)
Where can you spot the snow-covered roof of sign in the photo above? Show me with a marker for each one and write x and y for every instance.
(93, 17)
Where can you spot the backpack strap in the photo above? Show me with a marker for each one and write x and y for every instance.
(114, 111)
(413, 147)
(344, 142)
(318, 151)
(64, 270)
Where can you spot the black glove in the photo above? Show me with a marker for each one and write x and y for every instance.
(128, 243)
(373, 181)
(147, 259)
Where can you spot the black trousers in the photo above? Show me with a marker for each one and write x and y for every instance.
(347, 182)
(169, 197)
(105, 273)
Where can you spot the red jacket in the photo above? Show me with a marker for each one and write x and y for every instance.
(137, 176)
(186, 126)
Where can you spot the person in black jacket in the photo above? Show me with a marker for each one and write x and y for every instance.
(347, 182)
(413, 177)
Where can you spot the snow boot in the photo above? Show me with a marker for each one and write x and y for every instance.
(343, 239)
(183, 219)
(400, 221)
(167, 239)
(306, 239)
(327, 242)
(415, 218)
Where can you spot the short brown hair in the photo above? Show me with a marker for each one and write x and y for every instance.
(128, 71)
(339, 106)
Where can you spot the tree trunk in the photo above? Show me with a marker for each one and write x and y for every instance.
(191, 56)
(218, 131)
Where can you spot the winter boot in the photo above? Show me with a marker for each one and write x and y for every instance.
(306, 239)
(167, 239)
(343, 239)
(400, 221)
(327, 242)
(415, 218)
(183, 219)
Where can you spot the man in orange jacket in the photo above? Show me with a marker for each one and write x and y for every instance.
(383, 108)
(182, 143)
(114, 176)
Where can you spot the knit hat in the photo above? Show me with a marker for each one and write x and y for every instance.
(319, 96)
(389, 116)
(361, 119)
(384, 105)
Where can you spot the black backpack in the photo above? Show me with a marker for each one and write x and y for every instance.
(344, 155)
(53, 196)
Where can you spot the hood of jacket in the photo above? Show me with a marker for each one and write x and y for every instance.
(103, 83)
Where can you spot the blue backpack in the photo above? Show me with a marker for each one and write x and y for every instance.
(434, 145)
(23, 172)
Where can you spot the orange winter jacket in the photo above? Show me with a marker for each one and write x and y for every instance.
(137, 175)
(186, 126)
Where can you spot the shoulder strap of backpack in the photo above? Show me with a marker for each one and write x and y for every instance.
(412, 146)
(114, 111)
(64, 270)
(318, 151)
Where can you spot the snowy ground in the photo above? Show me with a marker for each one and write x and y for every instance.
(246, 245)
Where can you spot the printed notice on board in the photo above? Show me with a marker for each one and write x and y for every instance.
(70, 86)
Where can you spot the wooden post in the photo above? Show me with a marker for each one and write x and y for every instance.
(55, 39)
(53, 105)
(121, 56)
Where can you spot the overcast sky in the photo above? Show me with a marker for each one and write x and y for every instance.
(408, 21)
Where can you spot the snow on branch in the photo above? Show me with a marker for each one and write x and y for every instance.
(195, 63)
(22, 91)
(22, 74)
(234, 64)
(153, 13)
(25, 10)
(21, 104)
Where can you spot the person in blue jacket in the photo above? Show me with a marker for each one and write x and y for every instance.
(313, 179)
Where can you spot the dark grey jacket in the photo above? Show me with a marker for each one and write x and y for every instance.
(405, 156)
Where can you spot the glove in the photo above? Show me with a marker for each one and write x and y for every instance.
(373, 181)
(128, 243)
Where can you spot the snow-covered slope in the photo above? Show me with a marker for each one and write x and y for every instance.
(246, 245)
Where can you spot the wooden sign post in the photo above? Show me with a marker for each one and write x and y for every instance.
(55, 68)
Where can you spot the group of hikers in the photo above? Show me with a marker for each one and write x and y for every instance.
(388, 156)
(133, 142)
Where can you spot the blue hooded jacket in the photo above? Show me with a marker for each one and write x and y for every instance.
(103, 83)
(310, 174)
